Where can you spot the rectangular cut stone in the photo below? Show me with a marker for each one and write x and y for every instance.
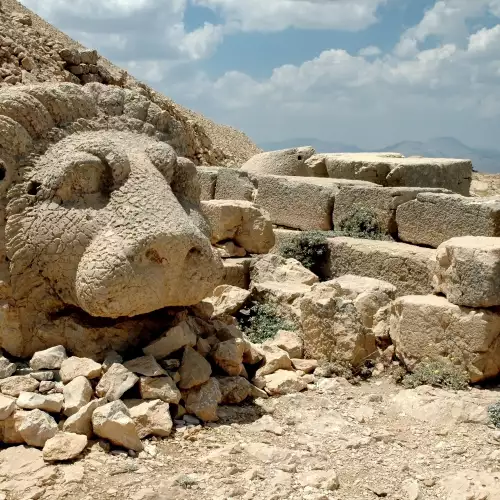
(407, 267)
(304, 203)
(237, 272)
(381, 201)
(207, 178)
(428, 327)
(434, 218)
(233, 184)
(283, 236)
(452, 174)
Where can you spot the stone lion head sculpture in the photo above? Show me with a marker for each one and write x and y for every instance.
(98, 214)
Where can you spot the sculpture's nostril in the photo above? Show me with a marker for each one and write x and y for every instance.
(153, 256)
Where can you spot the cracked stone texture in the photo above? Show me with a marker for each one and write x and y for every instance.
(100, 215)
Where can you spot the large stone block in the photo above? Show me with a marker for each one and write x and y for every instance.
(381, 201)
(468, 271)
(233, 184)
(237, 272)
(283, 162)
(407, 267)
(207, 177)
(433, 218)
(304, 203)
(431, 328)
(455, 175)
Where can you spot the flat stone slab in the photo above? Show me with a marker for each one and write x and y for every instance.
(407, 267)
(304, 203)
(433, 218)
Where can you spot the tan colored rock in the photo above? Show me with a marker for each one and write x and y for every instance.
(289, 342)
(9, 428)
(228, 250)
(253, 354)
(195, 369)
(235, 390)
(305, 365)
(284, 382)
(7, 406)
(111, 358)
(233, 184)
(145, 365)
(433, 218)
(113, 422)
(282, 162)
(468, 271)
(76, 394)
(227, 299)
(52, 403)
(431, 328)
(174, 339)
(13, 386)
(151, 418)
(43, 376)
(7, 369)
(273, 267)
(229, 356)
(379, 201)
(202, 401)
(207, 177)
(407, 267)
(36, 427)
(64, 446)
(274, 359)
(81, 421)
(242, 221)
(116, 382)
(49, 359)
(79, 367)
(163, 388)
(237, 272)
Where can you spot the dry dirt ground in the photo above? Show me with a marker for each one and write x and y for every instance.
(337, 441)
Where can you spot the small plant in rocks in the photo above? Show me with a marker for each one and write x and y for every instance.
(494, 414)
(438, 374)
(261, 322)
(310, 248)
(361, 223)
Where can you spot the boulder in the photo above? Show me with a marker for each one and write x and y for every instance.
(7, 368)
(235, 390)
(242, 221)
(151, 418)
(52, 403)
(305, 365)
(274, 359)
(207, 177)
(64, 446)
(116, 382)
(195, 369)
(13, 386)
(273, 267)
(79, 367)
(113, 422)
(81, 421)
(76, 395)
(7, 406)
(233, 184)
(228, 300)
(202, 401)
(431, 328)
(174, 339)
(145, 365)
(282, 162)
(229, 356)
(337, 317)
(36, 427)
(284, 382)
(162, 388)
(407, 267)
(237, 272)
(289, 342)
(379, 201)
(468, 271)
(433, 218)
(49, 359)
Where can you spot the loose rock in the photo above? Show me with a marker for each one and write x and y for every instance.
(195, 369)
(13, 386)
(116, 382)
(49, 359)
(64, 446)
(151, 418)
(36, 427)
(76, 395)
(202, 401)
(76, 367)
(145, 365)
(52, 403)
(163, 388)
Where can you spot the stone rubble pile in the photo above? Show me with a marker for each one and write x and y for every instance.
(59, 402)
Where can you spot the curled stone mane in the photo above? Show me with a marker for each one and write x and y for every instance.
(99, 218)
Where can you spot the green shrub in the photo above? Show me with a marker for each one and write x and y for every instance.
(438, 374)
(494, 414)
(310, 248)
(361, 223)
(262, 322)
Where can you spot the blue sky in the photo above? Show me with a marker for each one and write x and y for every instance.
(365, 72)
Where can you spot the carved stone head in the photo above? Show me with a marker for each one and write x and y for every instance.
(100, 215)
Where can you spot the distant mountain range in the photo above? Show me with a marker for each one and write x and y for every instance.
(483, 160)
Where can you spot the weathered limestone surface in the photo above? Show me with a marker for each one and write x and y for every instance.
(434, 218)
(381, 201)
(455, 175)
(407, 267)
(207, 177)
(430, 327)
(304, 203)
(103, 191)
(283, 162)
(237, 272)
(272, 267)
(468, 271)
(233, 184)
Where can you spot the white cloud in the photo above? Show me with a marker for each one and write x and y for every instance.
(485, 40)
(370, 51)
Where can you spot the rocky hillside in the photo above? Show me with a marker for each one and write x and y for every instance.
(31, 51)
